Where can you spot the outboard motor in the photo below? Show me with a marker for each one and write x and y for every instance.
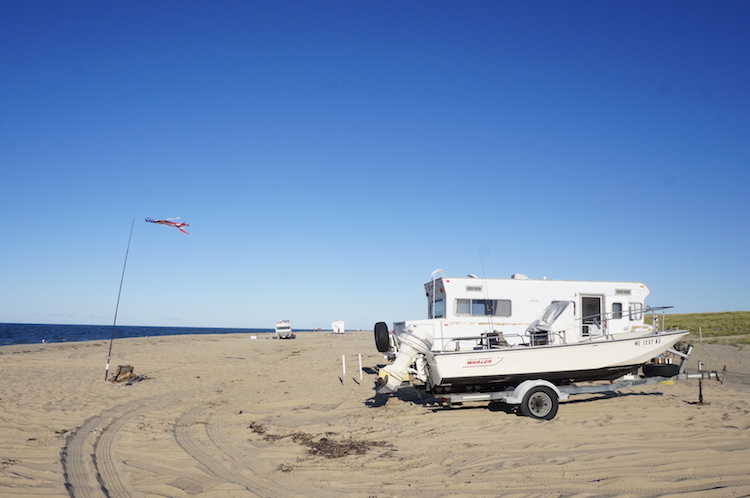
(411, 342)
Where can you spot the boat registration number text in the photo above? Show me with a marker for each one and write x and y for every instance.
(647, 342)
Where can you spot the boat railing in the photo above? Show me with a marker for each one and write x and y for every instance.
(658, 321)
(538, 338)
(494, 339)
(455, 343)
(485, 340)
(499, 340)
(597, 337)
(544, 338)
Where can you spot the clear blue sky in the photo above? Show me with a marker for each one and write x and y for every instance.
(329, 155)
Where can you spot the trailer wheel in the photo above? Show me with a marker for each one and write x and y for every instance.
(382, 340)
(540, 403)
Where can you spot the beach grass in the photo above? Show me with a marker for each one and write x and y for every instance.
(732, 327)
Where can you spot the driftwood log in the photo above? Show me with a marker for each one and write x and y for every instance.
(124, 374)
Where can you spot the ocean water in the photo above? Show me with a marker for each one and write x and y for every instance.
(26, 333)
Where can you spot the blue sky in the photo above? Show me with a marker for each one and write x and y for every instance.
(330, 155)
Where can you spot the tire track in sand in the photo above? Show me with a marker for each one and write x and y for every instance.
(88, 456)
(184, 434)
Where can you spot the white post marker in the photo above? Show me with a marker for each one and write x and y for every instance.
(360, 366)
(343, 367)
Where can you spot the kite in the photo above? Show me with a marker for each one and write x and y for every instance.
(169, 223)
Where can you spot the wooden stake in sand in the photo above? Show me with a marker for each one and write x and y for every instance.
(117, 306)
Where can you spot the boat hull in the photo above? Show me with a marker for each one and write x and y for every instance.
(498, 368)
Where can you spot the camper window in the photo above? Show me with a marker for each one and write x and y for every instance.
(437, 312)
(483, 307)
(616, 311)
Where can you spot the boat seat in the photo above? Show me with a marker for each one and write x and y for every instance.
(496, 339)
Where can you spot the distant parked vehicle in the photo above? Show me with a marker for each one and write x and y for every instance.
(284, 330)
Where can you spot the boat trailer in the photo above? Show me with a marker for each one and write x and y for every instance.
(539, 398)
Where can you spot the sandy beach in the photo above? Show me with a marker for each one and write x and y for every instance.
(227, 415)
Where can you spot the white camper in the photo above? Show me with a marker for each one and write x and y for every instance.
(469, 306)
(284, 330)
(338, 327)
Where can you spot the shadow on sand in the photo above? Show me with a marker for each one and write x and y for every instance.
(419, 397)
(406, 394)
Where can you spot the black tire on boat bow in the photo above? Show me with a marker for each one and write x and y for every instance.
(382, 340)
(660, 369)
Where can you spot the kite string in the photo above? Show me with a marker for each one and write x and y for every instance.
(117, 306)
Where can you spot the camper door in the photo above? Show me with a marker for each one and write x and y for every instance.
(591, 314)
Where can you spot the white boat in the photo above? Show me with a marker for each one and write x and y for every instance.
(284, 330)
(486, 335)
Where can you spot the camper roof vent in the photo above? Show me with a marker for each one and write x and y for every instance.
(519, 276)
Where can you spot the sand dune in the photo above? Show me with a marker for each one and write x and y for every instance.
(230, 416)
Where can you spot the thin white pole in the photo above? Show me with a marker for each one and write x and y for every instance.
(360, 366)
(343, 366)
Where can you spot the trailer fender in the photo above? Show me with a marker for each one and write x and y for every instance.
(520, 391)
